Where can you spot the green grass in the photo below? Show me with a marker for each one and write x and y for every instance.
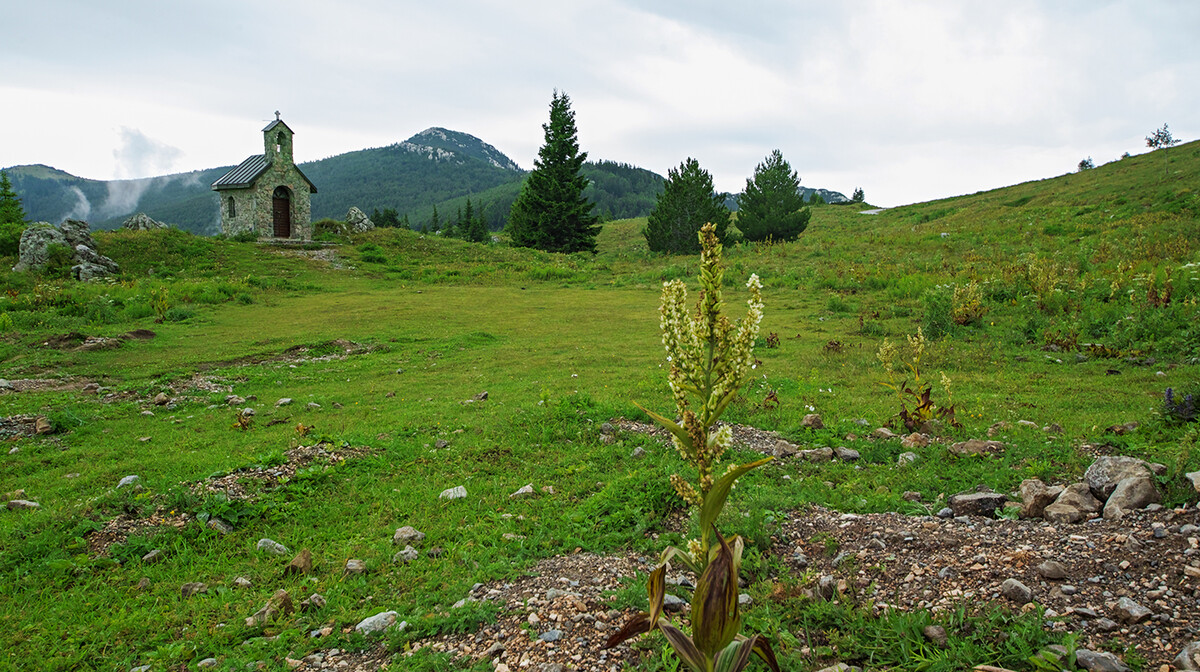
(561, 344)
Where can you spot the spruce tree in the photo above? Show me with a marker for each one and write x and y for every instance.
(476, 228)
(771, 206)
(686, 204)
(551, 213)
(12, 218)
(434, 225)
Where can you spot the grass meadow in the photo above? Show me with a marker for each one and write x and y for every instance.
(1031, 297)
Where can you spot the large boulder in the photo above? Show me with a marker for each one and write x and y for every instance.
(86, 262)
(981, 502)
(1036, 496)
(1135, 492)
(358, 221)
(1108, 470)
(1076, 503)
(35, 244)
(142, 222)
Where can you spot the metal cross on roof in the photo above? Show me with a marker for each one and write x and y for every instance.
(276, 115)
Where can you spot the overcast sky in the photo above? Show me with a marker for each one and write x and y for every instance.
(909, 100)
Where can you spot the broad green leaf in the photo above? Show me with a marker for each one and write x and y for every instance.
(667, 423)
(715, 500)
(735, 657)
(637, 625)
(656, 587)
(684, 557)
(715, 619)
(684, 648)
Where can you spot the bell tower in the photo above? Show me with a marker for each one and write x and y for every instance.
(277, 141)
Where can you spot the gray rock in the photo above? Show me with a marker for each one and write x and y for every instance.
(457, 492)
(1108, 470)
(976, 447)
(142, 222)
(638, 453)
(827, 587)
(846, 454)
(36, 240)
(936, 634)
(1052, 570)
(551, 636)
(1194, 478)
(1016, 591)
(945, 512)
(193, 588)
(823, 454)
(840, 667)
(1074, 504)
(357, 220)
(906, 459)
(1188, 658)
(812, 421)
(883, 433)
(355, 566)
(407, 534)
(129, 481)
(1099, 662)
(378, 623)
(524, 491)
(242, 582)
(1063, 513)
(1106, 624)
(207, 663)
(1036, 496)
(22, 504)
(153, 556)
(407, 555)
(271, 547)
(313, 406)
(672, 603)
(1128, 611)
(914, 440)
(745, 600)
(286, 401)
(977, 503)
(1135, 492)
(220, 526)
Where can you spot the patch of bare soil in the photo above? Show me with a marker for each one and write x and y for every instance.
(20, 426)
(46, 384)
(744, 435)
(117, 530)
(328, 255)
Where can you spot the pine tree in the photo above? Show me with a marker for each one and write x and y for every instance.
(434, 225)
(11, 211)
(476, 229)
(12, 218)
(687, 203)
(859, 196)
(551, 213)
(771, 206)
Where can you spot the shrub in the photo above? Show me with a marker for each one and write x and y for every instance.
(967, 304)
(1179, 408)
(247, 236)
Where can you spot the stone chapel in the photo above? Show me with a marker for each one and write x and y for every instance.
(267, 194)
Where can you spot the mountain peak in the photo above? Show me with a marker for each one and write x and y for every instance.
(442, 144)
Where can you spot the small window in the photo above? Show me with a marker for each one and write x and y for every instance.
(232, 208)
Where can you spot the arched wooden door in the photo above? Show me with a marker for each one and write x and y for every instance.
(281, 212)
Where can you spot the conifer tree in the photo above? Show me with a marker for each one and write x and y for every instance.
(12, 218)
(771, 206)
(434, 225)
(686, 204)
(476, 230)
(551, 213)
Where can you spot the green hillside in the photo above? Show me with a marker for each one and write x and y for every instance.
(1054, 316)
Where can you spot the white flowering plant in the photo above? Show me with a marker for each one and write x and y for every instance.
(709, 359)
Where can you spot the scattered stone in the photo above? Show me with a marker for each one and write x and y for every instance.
(457, 492)
(1188, 658)
(524, 491)
(976, 447)
(153, 556)
(378, 623)
(242, 582)
(906, 459)
(357, 221)
(1121, 430)
(407, 534)
(672, 603)
(301, 564)
(129, 481)
(279, 604)
(286, 401)
(161, 399)
(435, 552)
(355, 566)
(1135, 492)
(271, 547)
(1073, 505)
(980, 503)
(1194, 478)
(1108, 470)
(812, 421)
(313, 406)
(407, 555)
(1099, 662)
(1053, 428)
(1052, 570)
(551, 636)
(911, 496)
(220, 526)
(638, 453)
(548, 489)
(823, 454)
(936, 634)
(22, 504)
(193, 588)
(1036, 496)
(144, 584)
(142, 222)
(744, 600)
(883, 433)
(996, 428)
(1016, 591)
(1128, 611)
(846, 454)
(441, 443)
(914, 440)
(314, 601)
(207, 663)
